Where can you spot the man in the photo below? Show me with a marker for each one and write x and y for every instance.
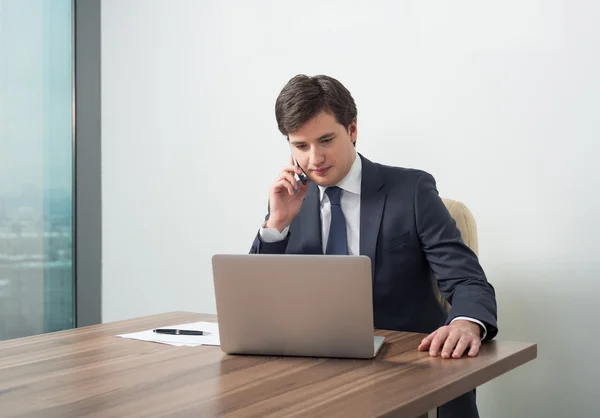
(393, 215)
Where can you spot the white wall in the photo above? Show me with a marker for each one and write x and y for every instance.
(499, 100)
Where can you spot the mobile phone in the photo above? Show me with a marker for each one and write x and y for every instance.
(302, 177)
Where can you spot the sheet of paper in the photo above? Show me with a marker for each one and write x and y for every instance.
(211, 336)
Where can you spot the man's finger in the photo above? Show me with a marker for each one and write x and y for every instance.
(437, 341)
(426, 342)
(289, 177)
(461, 346)
(284, 184)
(291, 169)
(450, 343)
(475, 345)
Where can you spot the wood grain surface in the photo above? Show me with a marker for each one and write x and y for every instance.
(90, 372)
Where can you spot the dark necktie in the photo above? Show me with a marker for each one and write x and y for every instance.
(337, 242)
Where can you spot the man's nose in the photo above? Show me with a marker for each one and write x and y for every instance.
(316, 157)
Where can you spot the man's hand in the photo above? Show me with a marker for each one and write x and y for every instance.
(285, 198)
(453, 340)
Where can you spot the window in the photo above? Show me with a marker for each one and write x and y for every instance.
(36, 167)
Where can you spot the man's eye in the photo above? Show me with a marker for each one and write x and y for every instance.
(325, 141)
(302, 146)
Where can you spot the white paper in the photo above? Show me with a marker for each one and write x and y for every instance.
(211, 336)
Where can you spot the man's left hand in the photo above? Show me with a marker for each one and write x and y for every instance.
(453, 340)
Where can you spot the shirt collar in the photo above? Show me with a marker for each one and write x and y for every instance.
(351, 183)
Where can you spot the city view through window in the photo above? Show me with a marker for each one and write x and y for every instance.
(36, 168)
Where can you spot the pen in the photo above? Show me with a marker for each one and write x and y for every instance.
(177, 331)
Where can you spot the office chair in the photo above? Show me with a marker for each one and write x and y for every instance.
(468, 230)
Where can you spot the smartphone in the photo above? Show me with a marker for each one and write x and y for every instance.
(302, 177)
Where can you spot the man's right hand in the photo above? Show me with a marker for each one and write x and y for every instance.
(284, 202)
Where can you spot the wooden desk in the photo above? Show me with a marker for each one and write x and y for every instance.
(91, 372)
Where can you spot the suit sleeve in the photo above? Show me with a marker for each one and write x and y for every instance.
(269, 246)
(461, 279)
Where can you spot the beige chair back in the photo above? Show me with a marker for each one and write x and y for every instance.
(468, 230)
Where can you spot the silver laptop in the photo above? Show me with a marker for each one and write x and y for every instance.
(295, 305)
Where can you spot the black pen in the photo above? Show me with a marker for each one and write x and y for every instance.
(177, 331)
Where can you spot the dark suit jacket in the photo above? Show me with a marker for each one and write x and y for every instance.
(411, 239)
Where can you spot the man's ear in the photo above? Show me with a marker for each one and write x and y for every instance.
(353, 131)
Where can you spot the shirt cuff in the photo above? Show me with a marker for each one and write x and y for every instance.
(271, 235)
(466, 318)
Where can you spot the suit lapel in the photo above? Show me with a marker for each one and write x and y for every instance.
(372, 202)
(310, 222)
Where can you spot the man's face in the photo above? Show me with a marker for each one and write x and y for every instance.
(324, 148)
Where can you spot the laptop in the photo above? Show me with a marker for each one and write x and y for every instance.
(295, 305)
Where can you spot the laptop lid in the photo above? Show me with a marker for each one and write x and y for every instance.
(296, 305)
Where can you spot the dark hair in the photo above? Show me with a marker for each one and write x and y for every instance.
(304, 97)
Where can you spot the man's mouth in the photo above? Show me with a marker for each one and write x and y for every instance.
(321, 171)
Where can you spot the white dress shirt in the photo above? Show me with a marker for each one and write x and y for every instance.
(350, 203)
